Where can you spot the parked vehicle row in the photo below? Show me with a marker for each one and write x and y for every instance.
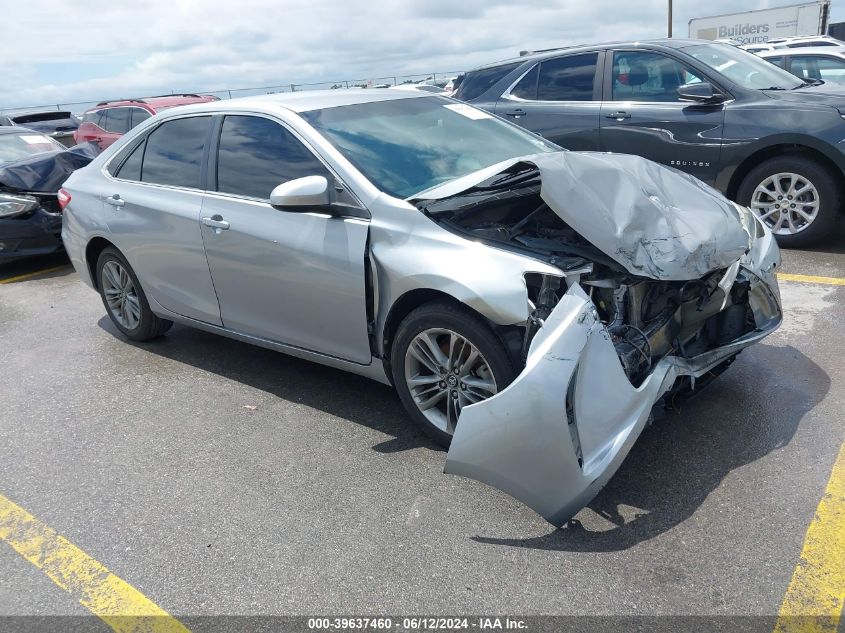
(759, 134)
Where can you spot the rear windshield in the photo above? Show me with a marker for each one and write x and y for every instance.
(477, 82)
(46, 121)
(18, 146)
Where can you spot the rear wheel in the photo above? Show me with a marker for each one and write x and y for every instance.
(124, 299)
(444, 358)
(796, 197)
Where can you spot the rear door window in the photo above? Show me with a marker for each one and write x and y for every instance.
(570, 78)
(139, 115)
(819, 67)
(131, 167)
(173, 155)
(257, 154)
(117, 120)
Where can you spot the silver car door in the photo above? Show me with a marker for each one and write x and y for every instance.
(554, 437)
(153, 204)
(291, 277)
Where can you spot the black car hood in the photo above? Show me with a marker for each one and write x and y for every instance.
(46, 172)
(825, 94)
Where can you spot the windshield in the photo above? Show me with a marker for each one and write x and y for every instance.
(17, 146)
(743, 68)
(404, 146)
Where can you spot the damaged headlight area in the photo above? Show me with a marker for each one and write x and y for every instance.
(14, 205)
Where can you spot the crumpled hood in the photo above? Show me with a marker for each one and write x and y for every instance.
(46, 172)
(654, 220)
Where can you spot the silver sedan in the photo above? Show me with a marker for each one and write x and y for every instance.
(531, 306)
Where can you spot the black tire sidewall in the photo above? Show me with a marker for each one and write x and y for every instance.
(821, 178)
(149, 325)
(462, 321)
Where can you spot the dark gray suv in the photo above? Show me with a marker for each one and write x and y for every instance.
(762, 136)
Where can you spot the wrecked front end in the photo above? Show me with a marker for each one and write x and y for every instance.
(30, 215)
(672, 284)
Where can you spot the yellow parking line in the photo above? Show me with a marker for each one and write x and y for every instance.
(812, 279)
(816, 594)
(11, 280)
(113, 600)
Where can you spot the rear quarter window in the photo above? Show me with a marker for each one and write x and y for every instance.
(477, 82)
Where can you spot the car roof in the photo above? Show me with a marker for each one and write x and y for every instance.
(804, 50)
(158, 101)
(311, 100)
(554, 52)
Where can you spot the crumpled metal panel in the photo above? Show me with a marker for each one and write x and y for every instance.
(519, 440)
(45, 173)
(523, 440)
(655, 221)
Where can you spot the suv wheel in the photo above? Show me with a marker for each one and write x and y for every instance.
(124, 299)
(796, 197)
(444, 358)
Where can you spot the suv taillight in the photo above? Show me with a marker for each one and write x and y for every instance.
(64, 198)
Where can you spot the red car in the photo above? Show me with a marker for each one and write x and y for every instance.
(109, 120)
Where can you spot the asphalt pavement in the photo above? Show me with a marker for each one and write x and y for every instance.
(220, 478)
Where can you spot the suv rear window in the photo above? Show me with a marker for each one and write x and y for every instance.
(477, 82)
(569, 78)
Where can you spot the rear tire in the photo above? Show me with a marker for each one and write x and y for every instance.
(800, 220)
(445, 357)
(124, 300)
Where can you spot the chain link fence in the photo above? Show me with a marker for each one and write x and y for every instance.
(440, 79)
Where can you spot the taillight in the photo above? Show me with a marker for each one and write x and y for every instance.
(64, 199)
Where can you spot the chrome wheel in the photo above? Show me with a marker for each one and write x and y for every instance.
(788, 203)
(445, 372)
(121, 296)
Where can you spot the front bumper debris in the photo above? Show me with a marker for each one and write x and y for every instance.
(556, 435)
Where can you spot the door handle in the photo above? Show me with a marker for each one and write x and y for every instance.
(217, 223)
(515, 113)
(619, 116)
(115, 200)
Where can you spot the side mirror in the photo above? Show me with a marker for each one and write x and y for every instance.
(701, 92)
(302, 194)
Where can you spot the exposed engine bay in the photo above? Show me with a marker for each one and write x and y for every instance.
(646, 318)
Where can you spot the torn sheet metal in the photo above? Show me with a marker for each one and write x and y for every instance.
(555, 436)
(655, 221)
(45, 173)
(521, 440)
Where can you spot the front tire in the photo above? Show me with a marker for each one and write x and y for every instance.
(124, 300)
(796, 197)
(445, 357)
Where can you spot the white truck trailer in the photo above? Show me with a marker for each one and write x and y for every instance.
(751, 27)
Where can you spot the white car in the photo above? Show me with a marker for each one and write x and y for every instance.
(811, 63)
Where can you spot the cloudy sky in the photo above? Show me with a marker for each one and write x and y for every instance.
(56, 51)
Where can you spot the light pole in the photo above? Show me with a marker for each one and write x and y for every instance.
(670, 19)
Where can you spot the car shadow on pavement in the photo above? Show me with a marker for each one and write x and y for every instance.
(339, 393)
(682, 458)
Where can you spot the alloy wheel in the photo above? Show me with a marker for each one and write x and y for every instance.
(121, 296)
(788, 203)
(445, 372)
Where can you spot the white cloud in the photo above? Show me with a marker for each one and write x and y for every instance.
(155, 46)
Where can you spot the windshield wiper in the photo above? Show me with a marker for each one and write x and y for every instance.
(773, 88)
(809, 82)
